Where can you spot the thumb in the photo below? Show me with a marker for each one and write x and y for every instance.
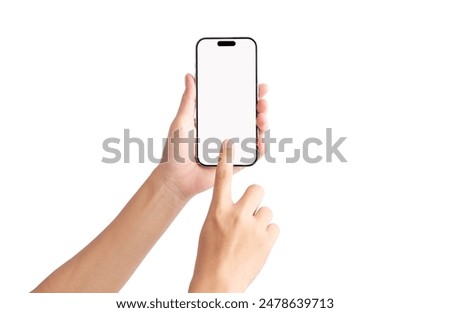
(224, 174)
(187, 105)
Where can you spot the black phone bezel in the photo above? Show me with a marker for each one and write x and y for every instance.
(196, 100)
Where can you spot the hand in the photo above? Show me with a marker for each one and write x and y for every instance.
(188, 178)
(236, 237)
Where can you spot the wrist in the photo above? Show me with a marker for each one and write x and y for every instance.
(170, 187)
(213, 284)
(206, 286)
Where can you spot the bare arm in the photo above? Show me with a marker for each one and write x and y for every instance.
(109, 260)
(107, 263)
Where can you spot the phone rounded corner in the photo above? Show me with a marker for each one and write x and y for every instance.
(253, 163)
(199, 41)
(254, 42)
(199, 162)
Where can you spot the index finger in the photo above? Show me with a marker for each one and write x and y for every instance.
(224, 173)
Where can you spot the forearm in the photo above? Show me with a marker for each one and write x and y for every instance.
(109, 260)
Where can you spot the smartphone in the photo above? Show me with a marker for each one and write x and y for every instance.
(227, 94)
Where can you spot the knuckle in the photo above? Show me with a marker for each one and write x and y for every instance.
(273, 230)
(219, 217)
(239, 218)
(175, 125)
(267, 212)
(256, 189)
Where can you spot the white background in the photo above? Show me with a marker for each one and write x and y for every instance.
(372, 233)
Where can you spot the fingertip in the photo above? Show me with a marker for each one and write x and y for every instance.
(251, 199)
(189, 83)
(224, 173)
(262, 106)
(261, 122)
(264, 213)
(274, 230)
(189, 78)
(261, 147)
(263, 90)
(229, 151)
(225, 156)
(187, 104)
(256, 190)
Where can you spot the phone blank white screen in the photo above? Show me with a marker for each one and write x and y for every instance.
(226, 95)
